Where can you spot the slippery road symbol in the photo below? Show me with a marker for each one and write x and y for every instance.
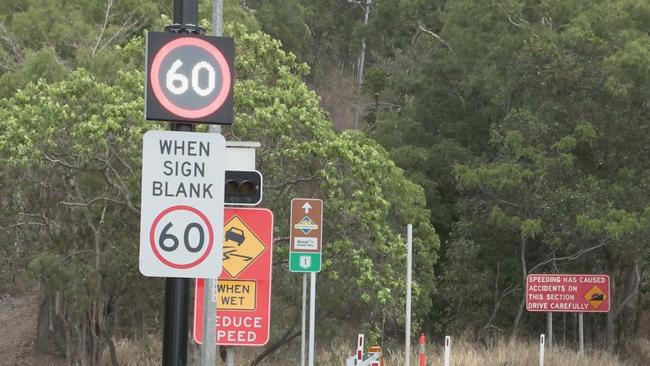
(241, 246)
(237, 236)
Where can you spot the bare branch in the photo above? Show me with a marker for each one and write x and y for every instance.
(124, 163)
(44, 220)
(7, 68)
(511, 21)
(76, 252)
(127, 28)
(31, 215)
(508, 203)
(120, 185)
(109, 5)
(498, 300)
(518, 25)
(59, 162)
(280, 239)
(6, 36)
(92, 202)
(27, 223)
(436, 36)
(103, 216)
(571, 257)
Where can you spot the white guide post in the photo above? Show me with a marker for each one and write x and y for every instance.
(541, 349)
(447, 351)
(360, 342)
(409, 262)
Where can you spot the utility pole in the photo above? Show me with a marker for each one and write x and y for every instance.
(362, 57)
(209, 344)
(361, 61)
(177, 290)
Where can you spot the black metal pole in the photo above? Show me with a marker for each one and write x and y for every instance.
(186, 12)
(178, 12)
(177, 290)
(177, 298)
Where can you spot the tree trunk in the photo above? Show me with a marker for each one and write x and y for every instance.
(111, 349)
(43, 339)
(627, 311)
(524, 273)
(610, 339)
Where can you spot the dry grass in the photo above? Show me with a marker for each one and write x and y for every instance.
(142, 352)
(146, 352)
(519, 354)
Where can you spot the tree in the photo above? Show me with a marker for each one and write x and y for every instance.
(75, 145)
(43, 39)
(368, 202)
(524, 95)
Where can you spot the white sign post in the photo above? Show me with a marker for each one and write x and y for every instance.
(181, 219)
(541, 349)
(409, 264)
(447, 351)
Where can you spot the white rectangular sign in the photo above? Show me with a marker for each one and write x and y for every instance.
(181, 214)
(300, 243)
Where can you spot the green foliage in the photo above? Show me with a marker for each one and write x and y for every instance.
(285, 19)
(542, 108)
(368, 201)
(42, 39)
(522, 125)
(375, 82)
(73, 139)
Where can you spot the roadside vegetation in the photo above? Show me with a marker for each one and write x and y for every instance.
(512, 134)
(464, 353)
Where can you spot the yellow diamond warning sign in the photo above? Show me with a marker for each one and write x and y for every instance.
(240, 247)
(595, 297)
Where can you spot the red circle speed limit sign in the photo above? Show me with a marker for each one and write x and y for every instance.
(181, 237)
(181, 207)
(189, 78)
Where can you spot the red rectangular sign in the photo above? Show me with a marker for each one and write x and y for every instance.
(243, 293)
(568, 293)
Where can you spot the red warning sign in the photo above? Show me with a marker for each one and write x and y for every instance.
(569, 293)
(243, 293)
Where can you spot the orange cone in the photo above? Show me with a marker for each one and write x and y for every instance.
(423, 357)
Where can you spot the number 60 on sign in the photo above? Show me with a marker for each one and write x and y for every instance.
(189, 78)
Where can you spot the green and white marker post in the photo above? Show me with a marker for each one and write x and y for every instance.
(306, 256)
